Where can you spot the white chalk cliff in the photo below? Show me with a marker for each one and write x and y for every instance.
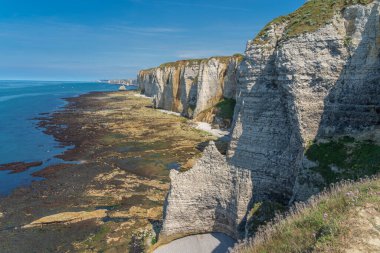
(291, 90)
(191, 87)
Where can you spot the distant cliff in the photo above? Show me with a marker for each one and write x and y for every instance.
(193, 88)
(307, 115)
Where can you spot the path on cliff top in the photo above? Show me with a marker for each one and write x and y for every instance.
(205, 243)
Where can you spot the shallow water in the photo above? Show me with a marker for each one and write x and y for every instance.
(20, 138)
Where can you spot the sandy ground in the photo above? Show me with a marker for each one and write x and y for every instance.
(208, 128)
(364, 230)
(205, 243)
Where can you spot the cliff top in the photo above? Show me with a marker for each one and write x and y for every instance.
(224, 59)
(345, 218)
(313, 15)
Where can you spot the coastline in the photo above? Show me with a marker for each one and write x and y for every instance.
(121, 149)
(26, 143)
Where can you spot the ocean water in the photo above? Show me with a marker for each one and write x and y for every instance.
(20, 138)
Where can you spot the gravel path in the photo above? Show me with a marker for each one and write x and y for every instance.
(205, 243)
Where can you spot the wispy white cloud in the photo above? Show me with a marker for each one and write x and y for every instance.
(143, 30)
(23, 30)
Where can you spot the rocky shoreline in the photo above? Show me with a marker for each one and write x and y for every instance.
(109, 197)
(18, 167)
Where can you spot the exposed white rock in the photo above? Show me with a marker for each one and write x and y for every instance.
(142, 96)
(209, 129)
(295, 90)
(290, 92)
(192, 86)
(170, 112)
(211, 197)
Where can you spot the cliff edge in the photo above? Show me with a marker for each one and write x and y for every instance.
(307, 115)
(195, 87)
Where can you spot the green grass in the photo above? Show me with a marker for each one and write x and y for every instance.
(239, 57)
(318, 226)
(224, 59)
(181, 62)
(351, 159)
(153, 240)
(347, 42)
(176, 64)
(309, 18)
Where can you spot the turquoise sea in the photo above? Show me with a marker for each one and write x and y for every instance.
(20, 138)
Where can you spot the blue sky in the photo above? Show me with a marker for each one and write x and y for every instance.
(105, 39)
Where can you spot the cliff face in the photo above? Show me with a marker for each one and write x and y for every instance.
(191, 87)
(223, 191)
(296, 85)
(312, 86)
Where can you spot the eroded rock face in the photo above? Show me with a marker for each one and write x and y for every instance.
(290, 92)
(193, 86)
(212, 196)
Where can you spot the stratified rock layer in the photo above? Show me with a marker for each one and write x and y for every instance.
(212, 196)
(191, 86)
(291, 91)
(312, 86)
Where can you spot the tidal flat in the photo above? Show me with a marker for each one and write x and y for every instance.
(109, 194)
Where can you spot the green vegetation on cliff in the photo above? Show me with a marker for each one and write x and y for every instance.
(221, 113)
(262, 213)
(181, 63)
(176, 64)
(328, 223)
(345, 158)
(310, 17)
(226, 108)
(223, 59)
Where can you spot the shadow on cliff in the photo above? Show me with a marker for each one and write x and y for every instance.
(221, 144)
(271, 145)
(353, 103)
(225, 243)
(270, 135)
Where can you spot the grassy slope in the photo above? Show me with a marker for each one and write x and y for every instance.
(337, 159)
(309, 18)
(320, 225)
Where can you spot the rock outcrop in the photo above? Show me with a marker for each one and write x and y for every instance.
(296, 85)
(191, 87)
(212, 196)
(68, 218)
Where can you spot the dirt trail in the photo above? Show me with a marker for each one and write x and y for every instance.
(364, 230)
